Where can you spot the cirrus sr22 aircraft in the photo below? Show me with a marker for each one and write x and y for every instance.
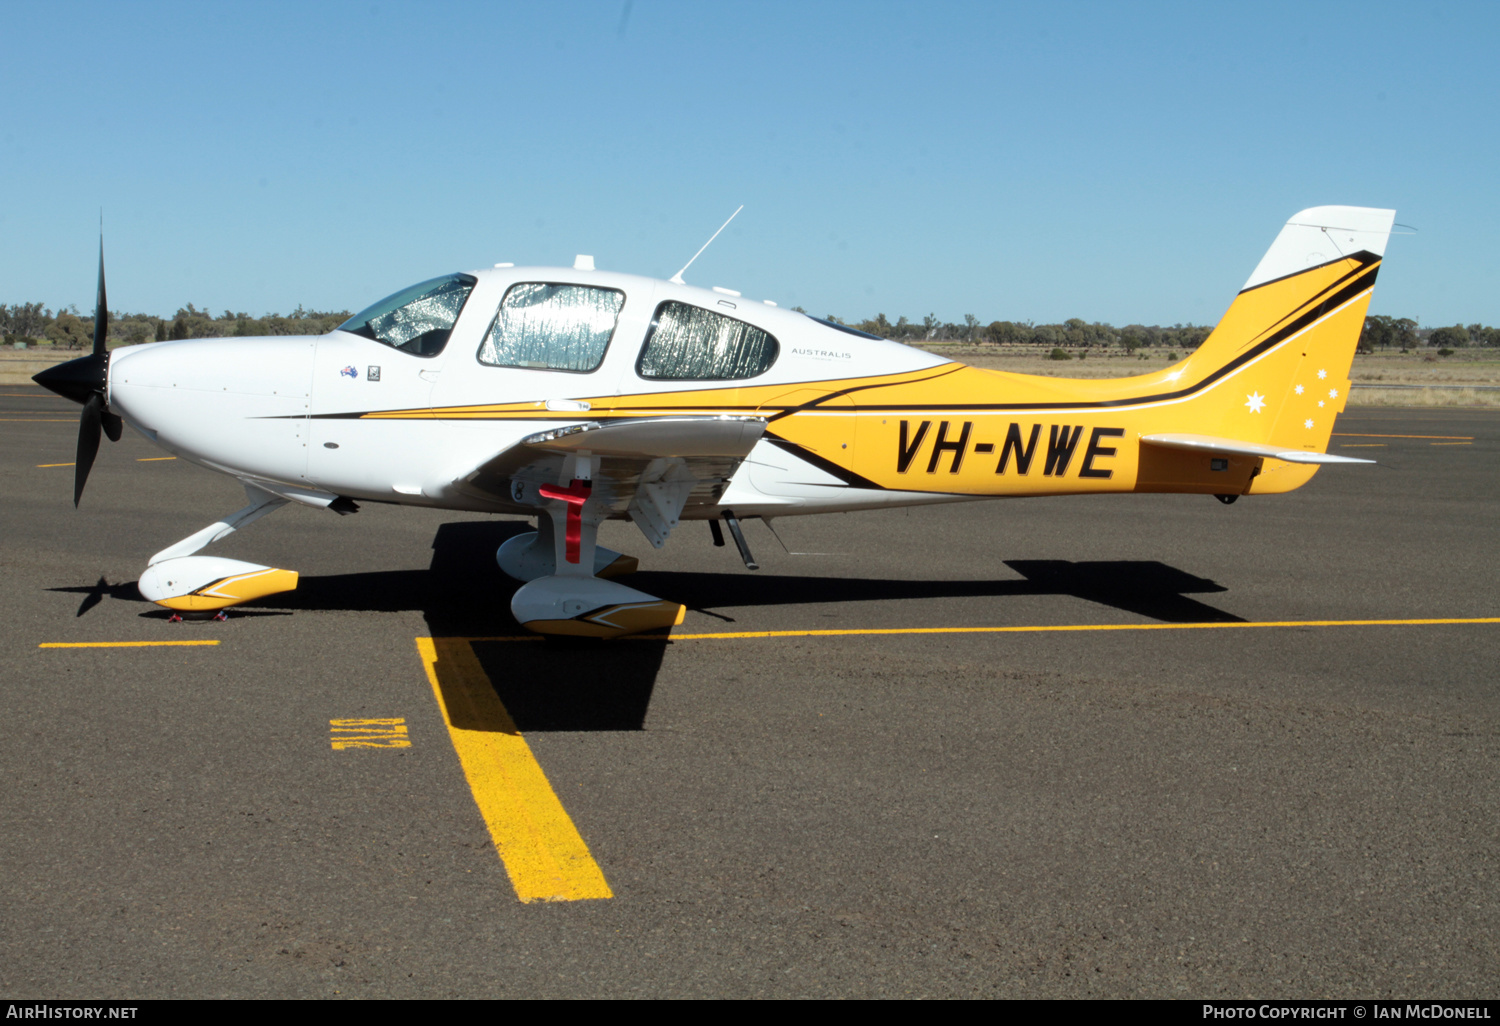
(575, 395)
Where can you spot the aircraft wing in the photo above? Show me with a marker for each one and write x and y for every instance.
(1208, 443)
(645, 465)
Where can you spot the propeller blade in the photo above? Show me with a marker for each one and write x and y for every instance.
(101, 306)
(88, 443)
(113, 426)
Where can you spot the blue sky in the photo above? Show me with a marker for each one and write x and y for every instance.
(1112, 161)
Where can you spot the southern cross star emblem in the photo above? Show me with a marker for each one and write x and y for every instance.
(1255, 401)
(1333, 393)
(1298, 390)
(1322, 374)
(1307, 423)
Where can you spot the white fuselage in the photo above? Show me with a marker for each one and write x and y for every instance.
(290, 413)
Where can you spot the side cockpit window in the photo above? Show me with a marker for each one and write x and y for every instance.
(417, 320)
(688, 343)
(552, 327)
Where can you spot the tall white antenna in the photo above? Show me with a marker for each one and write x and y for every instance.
(676, 279)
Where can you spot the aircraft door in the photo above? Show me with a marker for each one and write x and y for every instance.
(371, 432)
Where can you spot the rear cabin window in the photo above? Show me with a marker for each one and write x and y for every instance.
(544, 326)
(688, 343)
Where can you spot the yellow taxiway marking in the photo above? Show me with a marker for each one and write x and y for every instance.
(1038, 629)
(388, 732)
(541, 848)
(120, 644)
(1080, 627)
(1363, 445)
(30, 395)
(36, 420)
(148, 459)
(1450, 443)
(1469, 438)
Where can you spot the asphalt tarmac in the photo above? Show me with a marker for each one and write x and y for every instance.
(1233, 810)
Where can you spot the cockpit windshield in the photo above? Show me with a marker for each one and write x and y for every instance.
(415, 320)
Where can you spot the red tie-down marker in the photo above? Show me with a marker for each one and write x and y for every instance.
(575, 496)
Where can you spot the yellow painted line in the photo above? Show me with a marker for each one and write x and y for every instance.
(1466, 437)
(1042, 629)
(1364, 445)
(120, 644)
(30, 395)
(1450, 443)
(155, 459)
(41, 465)
(33, 420)
(542, 850)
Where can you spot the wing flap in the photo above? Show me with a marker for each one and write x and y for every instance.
(705, 451)
(1208, 443)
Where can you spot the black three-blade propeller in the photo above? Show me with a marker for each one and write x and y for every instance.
(83, 381)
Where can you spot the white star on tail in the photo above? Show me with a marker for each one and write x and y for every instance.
(1333, 393)
(1256, 402)
(1322, 374)
(1298, 390)
(1307, 423)
(1320, 404)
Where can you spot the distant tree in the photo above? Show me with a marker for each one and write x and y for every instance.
(1379, 332)
(69, 331)
(28, 320)
(1456, 337)
(1406, 333)
(1002, 333)
(972, 324)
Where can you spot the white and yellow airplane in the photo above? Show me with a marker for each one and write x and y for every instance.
(576, 395)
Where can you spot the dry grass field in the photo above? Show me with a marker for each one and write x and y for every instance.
(1418, 378)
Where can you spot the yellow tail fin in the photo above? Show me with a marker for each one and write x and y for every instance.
(1289, 337)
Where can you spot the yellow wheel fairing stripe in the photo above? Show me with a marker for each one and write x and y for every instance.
(230, 591)
(614, 621)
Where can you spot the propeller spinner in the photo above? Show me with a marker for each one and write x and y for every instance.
(83, 380)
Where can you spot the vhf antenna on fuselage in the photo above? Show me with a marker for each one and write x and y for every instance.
(676, 279)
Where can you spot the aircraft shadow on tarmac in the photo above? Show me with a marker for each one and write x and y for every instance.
(562, 685)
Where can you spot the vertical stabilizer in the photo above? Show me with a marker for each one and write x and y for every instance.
(1285, 346)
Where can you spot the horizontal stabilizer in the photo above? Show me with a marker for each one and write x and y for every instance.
(1208, 443)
